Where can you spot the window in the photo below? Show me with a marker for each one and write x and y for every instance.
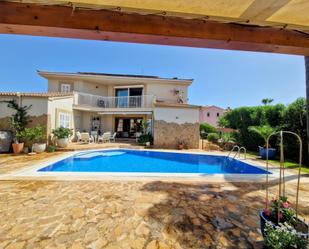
(64, 120)
(208, 114)
(218, 114)
(65, 88)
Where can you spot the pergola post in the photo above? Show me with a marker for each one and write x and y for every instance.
(307, 97)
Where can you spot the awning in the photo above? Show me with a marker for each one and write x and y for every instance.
(126, 113)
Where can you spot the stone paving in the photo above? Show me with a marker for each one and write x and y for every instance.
(89, 214)
(137, 215)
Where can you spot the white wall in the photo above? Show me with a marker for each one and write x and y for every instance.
(60, 103)
(165, 92)
(92, 88)
(39, 105)
(177, 115)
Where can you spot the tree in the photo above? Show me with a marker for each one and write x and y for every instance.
(20, 118)
(294, 119)
(307, 96)
(264, 131)
(267, 101)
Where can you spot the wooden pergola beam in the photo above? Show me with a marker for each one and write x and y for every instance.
(64, 21)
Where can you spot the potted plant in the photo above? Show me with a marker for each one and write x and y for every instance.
(181, 145)
(280, 225)
(145, 139)
(264, 131)
(62, 136)
(35, 136)
(19, 121)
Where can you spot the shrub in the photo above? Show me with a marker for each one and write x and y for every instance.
(228, 137)
(205, 129)
(35, 134)
(51, 148)
(62, 132)
(19, 119)
(279, 117)
(143, 139)
(213, 137)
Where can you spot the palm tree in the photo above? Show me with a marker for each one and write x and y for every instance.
(307, 96)
(267, 101)
(264, 131)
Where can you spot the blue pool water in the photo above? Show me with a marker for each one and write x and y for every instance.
(151, 162)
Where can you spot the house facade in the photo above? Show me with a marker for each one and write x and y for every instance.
(211, 114)
(113, 102)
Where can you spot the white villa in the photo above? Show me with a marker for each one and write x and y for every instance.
(112, 102)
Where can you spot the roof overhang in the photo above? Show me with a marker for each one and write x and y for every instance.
(280, 26)
(117, 80)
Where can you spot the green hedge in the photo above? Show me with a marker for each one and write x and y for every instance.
(291, 117)
(205, 129)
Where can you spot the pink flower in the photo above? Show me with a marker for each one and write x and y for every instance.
(267, 212)
(286, 204)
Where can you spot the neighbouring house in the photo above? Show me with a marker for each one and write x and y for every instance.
(113, 102)
(211, 114)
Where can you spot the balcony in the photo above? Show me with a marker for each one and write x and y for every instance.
(90, 100)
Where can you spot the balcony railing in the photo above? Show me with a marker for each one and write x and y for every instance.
(85, 99)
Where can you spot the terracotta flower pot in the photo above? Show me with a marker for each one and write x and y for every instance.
(180, 146)
(18, 148)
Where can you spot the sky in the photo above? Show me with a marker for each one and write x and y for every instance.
(223, 78)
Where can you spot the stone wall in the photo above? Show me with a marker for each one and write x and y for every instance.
(168, 135)
(43, 120)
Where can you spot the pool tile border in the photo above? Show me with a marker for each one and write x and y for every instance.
(31, 173)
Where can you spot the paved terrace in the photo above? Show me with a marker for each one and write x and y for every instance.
(131, 214)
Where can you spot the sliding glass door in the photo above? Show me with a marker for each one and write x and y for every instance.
(122, 99)
(129, 97)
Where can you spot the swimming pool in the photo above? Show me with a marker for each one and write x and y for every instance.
(140, 161)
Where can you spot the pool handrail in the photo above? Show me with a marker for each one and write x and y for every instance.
(238, 152)
(233, 149)
(245, 152)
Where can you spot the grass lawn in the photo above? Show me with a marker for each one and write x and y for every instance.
(287, 163)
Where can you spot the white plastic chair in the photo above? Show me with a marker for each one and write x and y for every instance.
(113, 137)
(78, 136)
(105, 137)
(86, 138)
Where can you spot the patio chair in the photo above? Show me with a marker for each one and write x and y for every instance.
(78, 136)
(86, 138)
(113, 137)
(105, 137)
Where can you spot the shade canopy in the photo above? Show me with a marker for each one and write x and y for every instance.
(256, 25)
